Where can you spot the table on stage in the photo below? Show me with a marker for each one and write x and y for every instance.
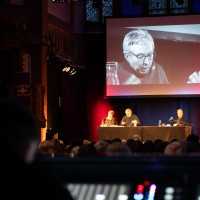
(165, 133)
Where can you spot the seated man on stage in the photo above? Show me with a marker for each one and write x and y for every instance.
(180, 120)
(130, 119)
(110, 120)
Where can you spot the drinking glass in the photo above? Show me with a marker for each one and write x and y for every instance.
(111, 73)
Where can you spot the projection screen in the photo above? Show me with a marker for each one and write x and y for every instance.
(160, 56)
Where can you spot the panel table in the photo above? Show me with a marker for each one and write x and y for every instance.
(152, 133)
(110, 133)
(165, 133)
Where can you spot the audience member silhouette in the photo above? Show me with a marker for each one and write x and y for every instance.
(136, 137)
(148, 146)
(135, 146)
(117, 148)
(159, 146)
(59, 147)
(101, 147)
(173, 148)
(86, 150)
(186, 146)
(116, 140)
(76, 142)
(193, 138)
(20, 133)
(45, 148)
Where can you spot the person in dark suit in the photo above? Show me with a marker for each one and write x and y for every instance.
(179, 120)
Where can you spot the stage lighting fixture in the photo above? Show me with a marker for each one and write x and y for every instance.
(72, 72)
(66, 69)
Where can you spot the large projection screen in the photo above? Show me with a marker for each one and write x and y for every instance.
(170, 68)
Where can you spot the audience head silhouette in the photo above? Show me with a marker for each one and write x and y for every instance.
(19, 131)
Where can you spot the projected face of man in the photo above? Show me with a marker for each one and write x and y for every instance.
(140, 57)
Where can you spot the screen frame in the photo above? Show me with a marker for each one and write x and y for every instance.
(178, 17)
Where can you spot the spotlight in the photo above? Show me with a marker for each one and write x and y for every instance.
(66, 69)
(72, 72)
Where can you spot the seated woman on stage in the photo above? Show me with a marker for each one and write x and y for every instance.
(110, 120)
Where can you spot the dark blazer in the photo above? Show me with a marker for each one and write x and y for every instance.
(180, 122)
